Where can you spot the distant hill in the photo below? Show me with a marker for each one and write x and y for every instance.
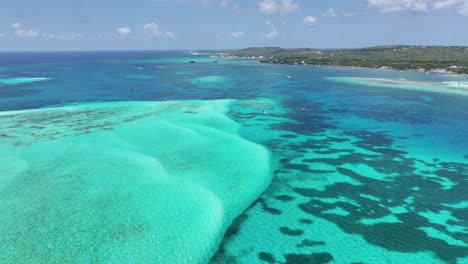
(272, 51)
(401, 57)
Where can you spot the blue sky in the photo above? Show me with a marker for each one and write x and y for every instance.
(198, 24)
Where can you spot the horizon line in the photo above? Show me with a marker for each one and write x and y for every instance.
(221, 49)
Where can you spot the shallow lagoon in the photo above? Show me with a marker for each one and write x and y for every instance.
(21, 80)
(117, 182)
(361, 173)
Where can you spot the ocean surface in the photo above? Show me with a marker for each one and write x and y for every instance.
(143, 157)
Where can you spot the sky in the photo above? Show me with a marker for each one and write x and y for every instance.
(228, 24)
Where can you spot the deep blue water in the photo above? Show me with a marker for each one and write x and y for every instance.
(343, 153)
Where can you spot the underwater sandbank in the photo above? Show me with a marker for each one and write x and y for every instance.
(437, 87)
(210, 81)
(22, 80)
(120, 182)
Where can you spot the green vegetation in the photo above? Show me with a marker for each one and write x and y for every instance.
(423, 58)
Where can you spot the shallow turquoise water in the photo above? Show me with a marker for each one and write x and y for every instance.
(360, 173)
(425, 86)
(21, 80)
(117, 182)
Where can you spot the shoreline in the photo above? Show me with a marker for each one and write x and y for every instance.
(434, 59)
(438, 71)
(260, 59)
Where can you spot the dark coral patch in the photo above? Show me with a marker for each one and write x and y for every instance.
(401, 237)
(301, 167)
(267, 208)
(288, 136)
(272, 210)
(277, 172)
(339, 140)
(388, 151)
(310, 243)
(349, 173)
(333, 151)
(291, 232)
(385, 154)
(267, 257)
(230, 232)
(235, 226)
(306, 221)
(315, 258)
(370, 139)
(284, 198)
(308, 128)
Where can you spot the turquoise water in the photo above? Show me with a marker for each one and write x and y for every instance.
(425, 86)
(117, 182)
(21, 80)
(145, 157)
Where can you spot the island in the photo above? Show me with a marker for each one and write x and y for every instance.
(453, 59)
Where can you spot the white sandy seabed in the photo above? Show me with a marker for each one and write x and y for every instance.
(139, 182)
(460, 88)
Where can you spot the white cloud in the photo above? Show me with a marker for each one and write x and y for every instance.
(26, 33)
(233, 6)
(124, 31)
(310, 20)
(227, 4)
(268, 6)
(272, 34)
(277, 6)
(446, 4)
(464, 9)
(70, 36)
(399, 5)
(331, 13)
(16, 25)
(203, 2)
(237, 35)
(153, 30)
(2, 35)
(21, 32)
(48, 36)
(170, 35)
(461, 6)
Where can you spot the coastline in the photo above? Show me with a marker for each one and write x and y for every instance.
(438, 71)
(437, 59)
(261, 59)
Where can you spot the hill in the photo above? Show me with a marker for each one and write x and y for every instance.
(401, 57)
